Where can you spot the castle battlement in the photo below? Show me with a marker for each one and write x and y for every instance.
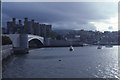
(29, 27)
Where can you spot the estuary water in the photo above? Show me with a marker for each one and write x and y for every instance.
(83, 62)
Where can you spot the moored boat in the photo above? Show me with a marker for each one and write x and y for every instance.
(71, 48)
(99, 47)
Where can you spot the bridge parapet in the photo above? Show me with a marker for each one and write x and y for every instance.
(21, 41)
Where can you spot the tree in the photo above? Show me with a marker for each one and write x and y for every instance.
(6, 40)
(58, 37)
(53, 35)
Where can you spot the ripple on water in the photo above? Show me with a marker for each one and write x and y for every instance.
(83, 62)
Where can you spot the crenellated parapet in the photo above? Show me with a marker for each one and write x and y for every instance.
(29, 27)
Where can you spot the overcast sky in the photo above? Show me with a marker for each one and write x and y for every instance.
(100, 16)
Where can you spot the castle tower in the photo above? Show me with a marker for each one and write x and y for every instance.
(11, 26)
(28, 26)
(33, 26)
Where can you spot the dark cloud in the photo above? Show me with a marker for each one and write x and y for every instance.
(68, 15)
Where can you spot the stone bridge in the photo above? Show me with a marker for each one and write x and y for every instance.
(24, 41)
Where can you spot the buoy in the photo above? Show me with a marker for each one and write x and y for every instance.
(59, 60)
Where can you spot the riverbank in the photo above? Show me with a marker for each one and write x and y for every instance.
(80, 45)
(7, 50)
(7, 55)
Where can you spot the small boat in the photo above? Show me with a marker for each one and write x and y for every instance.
(99, 47)
(71, 48)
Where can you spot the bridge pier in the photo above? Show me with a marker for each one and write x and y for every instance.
(23, 44)
(20, 43)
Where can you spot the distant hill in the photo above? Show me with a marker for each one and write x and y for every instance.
(62, 32)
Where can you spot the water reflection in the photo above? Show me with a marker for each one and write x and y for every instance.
(83, 62)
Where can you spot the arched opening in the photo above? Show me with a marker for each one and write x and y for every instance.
(35, 43)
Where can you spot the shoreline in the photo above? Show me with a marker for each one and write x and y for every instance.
(10, 57)
(7, 55)
(67, 46)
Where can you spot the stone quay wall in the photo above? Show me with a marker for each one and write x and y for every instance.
(7, 50)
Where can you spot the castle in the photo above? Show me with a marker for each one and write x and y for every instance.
(29, 27)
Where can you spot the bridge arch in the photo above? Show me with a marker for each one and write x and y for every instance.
(35, 43)
(26, 40)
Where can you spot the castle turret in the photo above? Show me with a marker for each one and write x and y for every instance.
(32, 20)
(14, 20)
(20, 22)
(11, 26)
(26, 19)
(28, 26)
